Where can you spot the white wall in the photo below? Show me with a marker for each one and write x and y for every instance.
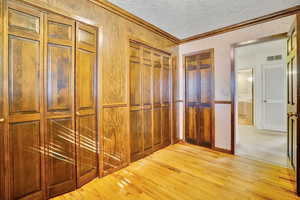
(222, 46)
(254, 56)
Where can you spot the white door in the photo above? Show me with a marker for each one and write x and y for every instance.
(273, 96)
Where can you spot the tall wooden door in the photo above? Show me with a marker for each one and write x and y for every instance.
(86, 127)
(199, 98)
(25, 99)
(293, 77)
(59, 105)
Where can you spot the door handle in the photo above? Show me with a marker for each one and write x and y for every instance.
(2, 120)
(265, 101)
(291, 114)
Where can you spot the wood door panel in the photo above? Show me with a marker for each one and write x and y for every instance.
(59, 78)
(157, 126)
(193, 81)
(136, 134)
(166, 86)
(166, 125)
(205, 86)
(61, 156)
(147, 86)
(147, 129)
(59, 31)
(87, 157)
(156, 85)
(26, 161)
(25, 21)
(24, 64)
(135, 84)
(85, 67)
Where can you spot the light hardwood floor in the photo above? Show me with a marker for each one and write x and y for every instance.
(184, 171)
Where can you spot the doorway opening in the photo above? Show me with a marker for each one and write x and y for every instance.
(261, 100)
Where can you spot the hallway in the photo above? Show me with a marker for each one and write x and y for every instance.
(267, 146)
(184, 172)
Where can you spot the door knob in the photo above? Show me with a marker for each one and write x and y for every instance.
(2, 120)
(265, 101)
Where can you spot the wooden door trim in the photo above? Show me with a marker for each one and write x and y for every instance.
(233, 78)
(212, 51)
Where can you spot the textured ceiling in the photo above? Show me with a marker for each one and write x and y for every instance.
(184, 18)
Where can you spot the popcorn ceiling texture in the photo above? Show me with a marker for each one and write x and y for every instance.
(184, 18)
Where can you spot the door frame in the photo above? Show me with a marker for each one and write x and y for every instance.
(233, 79)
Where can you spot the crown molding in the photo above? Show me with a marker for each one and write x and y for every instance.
(251, 22)
(123, 13)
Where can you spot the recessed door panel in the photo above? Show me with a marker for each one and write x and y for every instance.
(166, 125)
(87, 143)
(147, 129)
(136, 134)
(157, 126)
(147, 86)
(59, 78)
(135, 84)
(26, 160)
(156, 85)
(24, 69)
(85, 68)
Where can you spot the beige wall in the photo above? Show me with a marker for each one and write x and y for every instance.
(222, 46)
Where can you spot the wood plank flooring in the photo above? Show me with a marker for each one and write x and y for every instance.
(188, 172)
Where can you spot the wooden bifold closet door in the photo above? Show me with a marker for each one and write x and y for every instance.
(25, 102)
(199, 98)
(59, 105)
(48, 79)
(86, 128)
(150, 76)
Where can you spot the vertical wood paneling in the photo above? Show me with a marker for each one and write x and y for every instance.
(115, 133)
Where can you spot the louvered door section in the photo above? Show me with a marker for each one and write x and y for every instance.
(25, 86)
(86, 128)
(199, 98)
(59, 105)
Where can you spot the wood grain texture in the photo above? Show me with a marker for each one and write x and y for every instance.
(115, 147)
(186, 172)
